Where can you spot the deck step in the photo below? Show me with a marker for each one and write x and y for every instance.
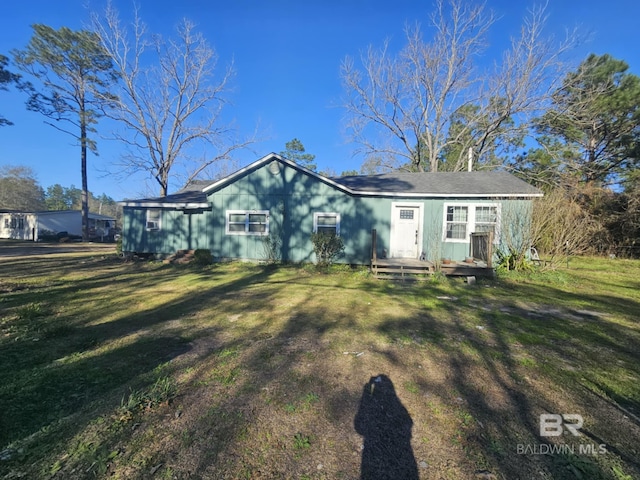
(400, 270)
(404, 269)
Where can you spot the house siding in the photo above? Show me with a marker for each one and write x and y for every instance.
(28, 232)
(291, 196)
(178, 231)
(65, 221)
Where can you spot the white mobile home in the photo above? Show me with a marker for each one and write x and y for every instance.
(36, 225)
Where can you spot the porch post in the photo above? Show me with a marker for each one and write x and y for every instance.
(374, 245)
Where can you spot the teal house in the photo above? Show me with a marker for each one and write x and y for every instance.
(268, 210)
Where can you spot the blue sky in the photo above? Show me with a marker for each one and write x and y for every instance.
(287, 57)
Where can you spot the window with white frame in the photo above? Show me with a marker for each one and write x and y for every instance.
(486, 218)
(247, 222)
(462, 219)
(326, 222)
(153, 219)
(17, 223)
(456, 222)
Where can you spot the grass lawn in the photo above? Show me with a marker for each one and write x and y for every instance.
(144, 370)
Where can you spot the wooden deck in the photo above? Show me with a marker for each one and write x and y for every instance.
(413, 269)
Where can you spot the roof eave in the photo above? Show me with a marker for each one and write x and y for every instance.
(176, 205)
(446, 195)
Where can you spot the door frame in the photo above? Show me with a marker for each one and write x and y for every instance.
(392, 241)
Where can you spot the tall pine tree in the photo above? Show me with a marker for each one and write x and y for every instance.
(596, 113)
(296, 152)
(73, 74)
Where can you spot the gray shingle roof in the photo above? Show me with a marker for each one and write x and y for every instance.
(399, 184)
(441, 184)
(191, 196)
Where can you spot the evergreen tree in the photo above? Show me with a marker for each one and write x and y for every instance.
(6, 78)
(596, 113)
(74, 73)
(56, 198)
(296, 152)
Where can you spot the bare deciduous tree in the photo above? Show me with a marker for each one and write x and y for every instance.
(410, 99)
(19, 189)
(170, 107)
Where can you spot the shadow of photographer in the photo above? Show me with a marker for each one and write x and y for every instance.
(386, 427)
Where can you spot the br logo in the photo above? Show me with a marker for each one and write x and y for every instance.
(554, 425)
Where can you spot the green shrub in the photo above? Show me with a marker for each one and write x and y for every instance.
(327, 247)
(510, 260)
(203, 257)
(272, 248)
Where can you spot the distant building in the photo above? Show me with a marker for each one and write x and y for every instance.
(36, 226)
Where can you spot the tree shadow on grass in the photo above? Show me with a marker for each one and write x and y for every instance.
(386, 427)
(63, 388)
(68, 371)
(515, 354)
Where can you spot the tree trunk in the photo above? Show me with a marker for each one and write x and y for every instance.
(163, 175)
(83, 167)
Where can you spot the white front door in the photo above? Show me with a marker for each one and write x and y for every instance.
(406, 230)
